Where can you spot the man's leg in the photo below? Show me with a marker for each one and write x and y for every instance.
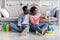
(26, 28)
(14, 26)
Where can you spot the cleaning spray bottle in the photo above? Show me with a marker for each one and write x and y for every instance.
(4, 27)
(7, 27)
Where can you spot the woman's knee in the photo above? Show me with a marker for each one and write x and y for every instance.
(46, 25)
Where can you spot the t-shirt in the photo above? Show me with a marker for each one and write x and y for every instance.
(34, 19)
(23, 19)
(26, 19)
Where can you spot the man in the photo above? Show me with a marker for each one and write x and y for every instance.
(23, 21)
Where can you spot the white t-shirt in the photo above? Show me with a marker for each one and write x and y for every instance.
(26, 19)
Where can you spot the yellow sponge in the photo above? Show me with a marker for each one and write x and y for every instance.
(50, 32)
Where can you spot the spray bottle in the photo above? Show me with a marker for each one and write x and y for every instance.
(4, 27)
(7, 27)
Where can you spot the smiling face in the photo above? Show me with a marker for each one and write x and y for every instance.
(26, 11)
(33, 10)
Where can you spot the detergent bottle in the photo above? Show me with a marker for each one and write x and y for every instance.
(52, 28)
(0, 27)
(48, 28)
(7, 27)
(4, 27)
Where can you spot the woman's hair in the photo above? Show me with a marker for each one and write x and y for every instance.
(32, 9)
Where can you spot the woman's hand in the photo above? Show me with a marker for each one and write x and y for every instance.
(42, 17)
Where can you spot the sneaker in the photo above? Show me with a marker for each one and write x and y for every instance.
(44, 31)
(41, 32)
(38, 33)
(26, 30)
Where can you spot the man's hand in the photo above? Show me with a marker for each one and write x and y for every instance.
(21, 30)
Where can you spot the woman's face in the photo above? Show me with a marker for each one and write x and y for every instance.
(35, 11)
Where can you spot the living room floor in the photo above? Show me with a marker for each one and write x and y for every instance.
(29, 36)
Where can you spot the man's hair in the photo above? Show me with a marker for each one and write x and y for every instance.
(24, 8)
(32, 9)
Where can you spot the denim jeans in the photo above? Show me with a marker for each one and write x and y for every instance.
(38, 28)
(15, 27)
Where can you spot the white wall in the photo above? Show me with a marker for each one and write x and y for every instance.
(59, 14)
(0, 3)
(13, 6)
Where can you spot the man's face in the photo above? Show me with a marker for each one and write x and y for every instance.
(26, 11)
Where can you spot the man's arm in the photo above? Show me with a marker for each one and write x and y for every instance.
(19, 23)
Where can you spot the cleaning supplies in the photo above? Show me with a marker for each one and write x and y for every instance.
(50, 30)
(0, 27)
(2, 30)
(7, 27)
(4, 27)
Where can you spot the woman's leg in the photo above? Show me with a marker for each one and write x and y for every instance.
(14, 26)
(32, 28)
(35, 28)
(44, 26)
(40, 29)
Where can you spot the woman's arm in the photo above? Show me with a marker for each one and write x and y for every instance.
(42, 17)
(45, 17)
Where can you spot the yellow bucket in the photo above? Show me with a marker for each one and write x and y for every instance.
(50, 32)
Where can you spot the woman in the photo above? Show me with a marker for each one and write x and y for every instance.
(34, 21)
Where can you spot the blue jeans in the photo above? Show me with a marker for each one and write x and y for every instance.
(38, 28)
(15, 27)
